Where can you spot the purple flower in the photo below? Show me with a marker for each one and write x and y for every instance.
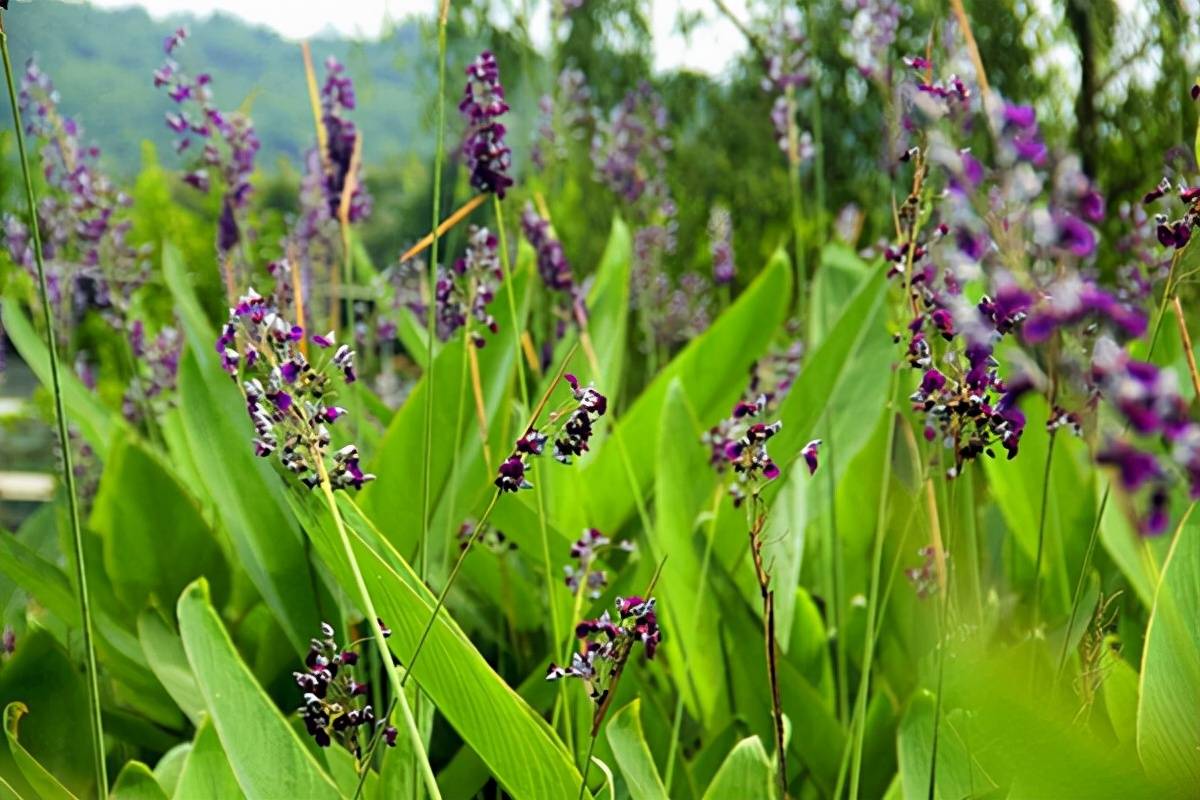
(337, 98)
(488, 157)
(332, 708)
(511, 477)
(1134, 466)
(809, 454)
(720, 236)
(607, 644)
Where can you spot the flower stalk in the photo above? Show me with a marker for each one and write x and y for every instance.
(95, 722)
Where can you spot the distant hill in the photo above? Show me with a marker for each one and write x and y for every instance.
(101, 62)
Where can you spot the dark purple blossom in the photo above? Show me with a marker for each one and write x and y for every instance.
(586, 550)
(342, 138)
(488, 157)
(606, 645)
(720, 237)
(332, 707)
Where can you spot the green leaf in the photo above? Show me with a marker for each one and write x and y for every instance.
(137, 782)
(1168, 725)
(747, 772)
(245, 491)
(165, 654)
(735, 340)
(840, 275)
(400, 461)
(41, 681)
(140, 504)
(517, 745)
(40, 778)
(957, 774)
(266, 755)
(628, 743)
(683, 484)
(170, 767)
(206, 773)
(96, 423)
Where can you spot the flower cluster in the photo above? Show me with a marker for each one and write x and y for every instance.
(469, 286)
(228, 141)
(491, 538)
(554, 270)
(488, 157)
(740, 442)
(786, 71)
(607, 645)
(337, 98)
(924, 577)
(565, 115)
(1147, 399)
(586, 551)
(871, 27)
(287, 397)
(720, 238)
(570, 427)
(1175, 232)
(82, 217)
(157, 363)
(629, 149)
(334, 702)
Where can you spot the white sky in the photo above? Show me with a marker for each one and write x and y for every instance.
(714, 42)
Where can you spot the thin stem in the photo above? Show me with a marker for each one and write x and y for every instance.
(793, 155)
(60, 414)
(389, 664)
(431, 324)
(456, 473)
(441, 598)
(1041, 541)
(587, 763)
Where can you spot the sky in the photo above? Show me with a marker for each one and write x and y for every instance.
(712, 45)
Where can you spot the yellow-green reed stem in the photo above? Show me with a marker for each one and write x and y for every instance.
(836, 576)
(455, 473)
(389, 663)
(431, 322)
(64, 440)
(944, 511)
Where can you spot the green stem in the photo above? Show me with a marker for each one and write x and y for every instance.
(795, 191)
(389, 663)
(864, 684)
(431, 321)
(441, 598)
(587, 763)
(60, 413)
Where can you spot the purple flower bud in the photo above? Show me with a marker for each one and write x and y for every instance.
(809, 453)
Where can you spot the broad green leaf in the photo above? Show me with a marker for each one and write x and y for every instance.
(628, 743)
(517, 745)
(140, 508)
(266, 755)
(96, 423)
(170, 767)
(1120, 692)
(164, 651)
(841, 272)
(41, 779)
(958, 775)
(1032, 741)
(734, 341)
(244, 489)
(206, 773)
(683, 487)
(1168, 722)
(747, 772)
(137, 782)
(395, 495)
(41, 681)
